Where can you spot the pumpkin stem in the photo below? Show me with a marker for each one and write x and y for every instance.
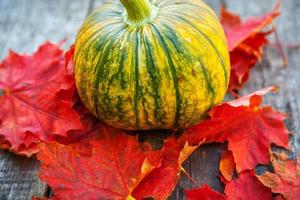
(137, 10)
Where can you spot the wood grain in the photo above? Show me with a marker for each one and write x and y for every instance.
(24, 24)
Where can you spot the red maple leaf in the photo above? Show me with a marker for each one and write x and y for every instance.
(285, 179)
(247, 187)
(108, 164)
(249, 130)
(35, 99)
(204, 193)
(159, 183)
(69, 56)
(239, 31)
(245, 57)
(245, 41)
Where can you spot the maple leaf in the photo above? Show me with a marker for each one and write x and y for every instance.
(35, 99)
(159, 183)
(227, 165)
(239, 31)
(88, 120)
(247, 187)
(69, 56)
(204, 193)
(108, 164)
(249, 130)
(245, 41)
(242, 60)
(285, 179)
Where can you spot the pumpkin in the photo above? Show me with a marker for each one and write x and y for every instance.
(160, 64)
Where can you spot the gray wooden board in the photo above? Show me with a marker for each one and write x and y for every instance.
(25, 24)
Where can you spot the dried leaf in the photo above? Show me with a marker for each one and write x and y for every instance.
(285, 179)
(245, 100)
(227, 165)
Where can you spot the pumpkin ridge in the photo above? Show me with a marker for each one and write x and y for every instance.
(120, 75)
(146, 115)
(173, 38)
(208, 81)
(173, 72)
(107, 103)
(136, 87)
(211, 43)
(121, 68)
(155, 77)
(119, 105)
(99, 72)
(115, 76)
(94, 35)
(178, 44)
(86, 45)
(196, 17)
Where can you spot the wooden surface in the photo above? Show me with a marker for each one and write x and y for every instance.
(24, 24)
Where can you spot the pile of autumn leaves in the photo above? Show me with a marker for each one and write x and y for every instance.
(82, 158)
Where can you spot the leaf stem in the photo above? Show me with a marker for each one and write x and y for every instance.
(189, 176)
(280, 47)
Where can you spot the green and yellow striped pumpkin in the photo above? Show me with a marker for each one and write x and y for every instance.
(159, 64)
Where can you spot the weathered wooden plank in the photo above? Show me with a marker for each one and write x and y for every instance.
(270, 71)
(18, 177)
(24, 25)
